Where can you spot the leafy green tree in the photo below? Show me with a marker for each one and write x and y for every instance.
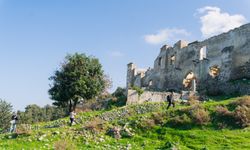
(5, 114)
(34, 113)
(80, 78)
(120, 97)
(119, 92)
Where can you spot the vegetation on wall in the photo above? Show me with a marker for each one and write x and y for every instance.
(138, 90)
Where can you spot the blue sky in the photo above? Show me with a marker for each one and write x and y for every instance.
(36, 35)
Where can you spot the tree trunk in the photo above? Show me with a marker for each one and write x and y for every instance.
(74, 104)
(70, 106)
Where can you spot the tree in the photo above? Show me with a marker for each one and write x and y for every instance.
(5, 114)
(120, 96)
(80, 78)
(34, 113)
(119, 92)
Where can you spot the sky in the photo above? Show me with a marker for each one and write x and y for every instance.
(36, 35)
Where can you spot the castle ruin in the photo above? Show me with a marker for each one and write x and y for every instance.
(218, 65)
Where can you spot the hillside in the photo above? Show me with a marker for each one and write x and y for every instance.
(216, 124)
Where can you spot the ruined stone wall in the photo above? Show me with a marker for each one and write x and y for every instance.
(219, 63)
(148, 96)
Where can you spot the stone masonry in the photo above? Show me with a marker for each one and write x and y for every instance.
(218, 65)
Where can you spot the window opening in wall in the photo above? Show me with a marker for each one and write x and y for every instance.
(150, 83)
(159, 61)
(190, 81)
(214, 71)
(203, 53)
(172, 59)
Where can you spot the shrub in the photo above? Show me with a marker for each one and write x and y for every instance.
(143, 123)
(138, 90)
(95, 125)
(242, 101)
(148, 123)
(242, 116)
(24, 129)
(199, 115)
(238, 117)
(193, 100)
(223, 117)
(180, 121)
(158, 117)
(64, 145)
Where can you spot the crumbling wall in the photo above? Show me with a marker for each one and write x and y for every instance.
(216, 63)
(148, 96)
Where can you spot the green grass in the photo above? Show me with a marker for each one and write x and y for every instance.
(146, 137)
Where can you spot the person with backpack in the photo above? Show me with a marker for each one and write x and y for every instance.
(13, 122)
(170, 100)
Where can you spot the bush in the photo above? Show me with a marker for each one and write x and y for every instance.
(223, 117)
(95, 125)
(242, 101)
(239, 116)
(193, 100)
(147, 123)
(158, 117)
(180, 121)
(242, 116)
(138, 90)
(245, 100)
(199, 115)
(24, 129)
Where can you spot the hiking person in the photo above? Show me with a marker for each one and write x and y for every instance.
(170, 100)
(13, 122)
(72, 117)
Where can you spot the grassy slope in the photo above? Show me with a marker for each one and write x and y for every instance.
(159, 136)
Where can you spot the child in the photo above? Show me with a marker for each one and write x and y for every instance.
(72, 117)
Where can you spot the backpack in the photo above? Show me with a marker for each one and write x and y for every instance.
(168, 98)
(14, 117)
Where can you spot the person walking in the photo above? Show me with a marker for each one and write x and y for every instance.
(72, 117)
(13, 122)
(170, 100)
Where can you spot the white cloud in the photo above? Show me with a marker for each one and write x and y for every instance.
(214, 21)
(116, 54)
(166, 35)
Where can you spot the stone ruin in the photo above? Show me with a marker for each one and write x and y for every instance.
(215, 66)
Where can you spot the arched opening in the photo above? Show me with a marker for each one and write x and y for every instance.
(189, 81)
(214, 71)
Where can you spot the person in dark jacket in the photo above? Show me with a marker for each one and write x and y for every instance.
(13, 122)
(170, 100)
